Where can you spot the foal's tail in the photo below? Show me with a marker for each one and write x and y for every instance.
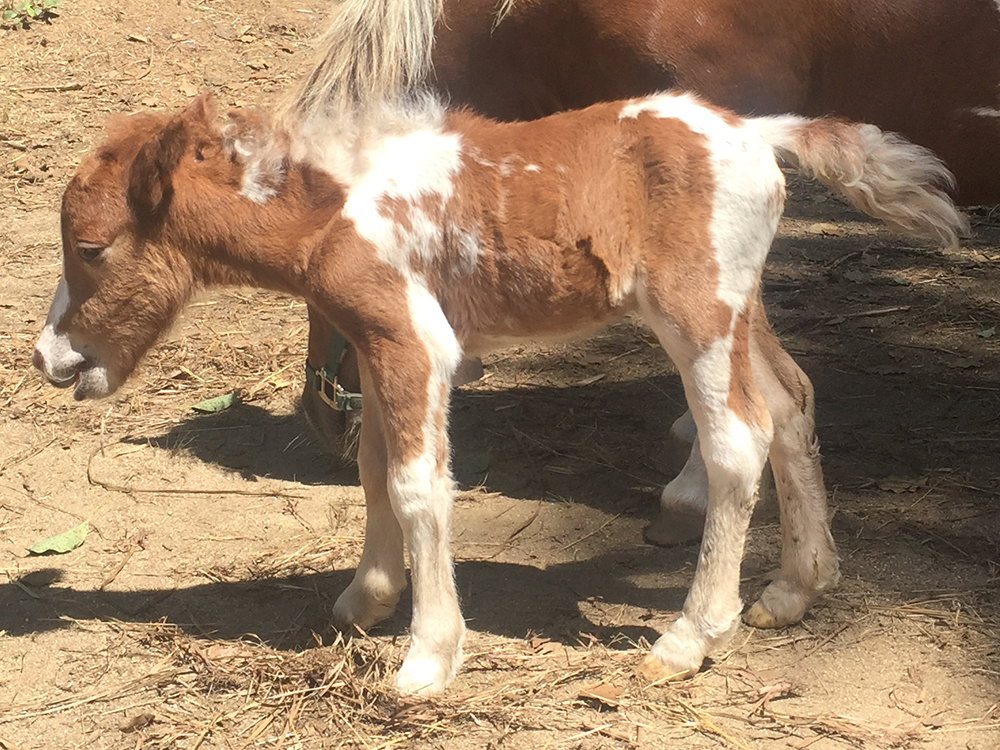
(882, 174)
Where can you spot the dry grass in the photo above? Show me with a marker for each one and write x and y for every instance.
(341, 696)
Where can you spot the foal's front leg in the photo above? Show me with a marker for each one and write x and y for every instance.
(411, 376)
(381, 575)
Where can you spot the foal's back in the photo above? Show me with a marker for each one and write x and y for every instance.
(552, 226)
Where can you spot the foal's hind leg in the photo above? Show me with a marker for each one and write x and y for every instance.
(734, 431)
(684, 500)
(808, 556)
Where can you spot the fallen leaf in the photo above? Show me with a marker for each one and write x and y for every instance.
(826, 228)
(217, 404)
(965, 363)
(898, 486)
(136, 723)
(987, 333)
(137, 38)
(62, 543)
(604, 692)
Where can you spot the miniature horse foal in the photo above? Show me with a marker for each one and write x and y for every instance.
(442, 234)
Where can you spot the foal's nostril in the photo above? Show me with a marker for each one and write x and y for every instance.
(37, 360)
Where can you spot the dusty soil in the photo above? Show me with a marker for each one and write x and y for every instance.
(196, 613)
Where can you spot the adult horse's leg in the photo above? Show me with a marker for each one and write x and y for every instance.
(337, 429)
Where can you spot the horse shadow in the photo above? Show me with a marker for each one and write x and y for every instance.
(553, 442)
(500, 598)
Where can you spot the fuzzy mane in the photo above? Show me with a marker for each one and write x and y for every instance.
(262, 149)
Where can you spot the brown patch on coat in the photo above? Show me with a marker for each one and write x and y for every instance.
(744, 397)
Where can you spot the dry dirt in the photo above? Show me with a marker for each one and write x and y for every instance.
(196, 613)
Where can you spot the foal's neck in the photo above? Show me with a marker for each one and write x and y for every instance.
(269, 243)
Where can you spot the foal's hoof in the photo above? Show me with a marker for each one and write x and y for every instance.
(675, 526)
(422, 676)
(653, 670)
(673, 657)
(781, 604)
(356, 608)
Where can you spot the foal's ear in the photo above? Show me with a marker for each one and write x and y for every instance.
(149, 188)
(201, 110)
(149, 185)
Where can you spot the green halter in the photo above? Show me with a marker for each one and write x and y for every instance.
(324, 379)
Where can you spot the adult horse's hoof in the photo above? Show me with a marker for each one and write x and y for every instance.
(338, 430)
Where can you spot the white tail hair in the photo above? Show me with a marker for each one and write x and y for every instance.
(880, 173)
(374, 51)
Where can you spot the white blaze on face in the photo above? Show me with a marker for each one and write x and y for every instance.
(62, 363)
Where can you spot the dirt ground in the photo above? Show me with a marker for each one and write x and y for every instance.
(196, 613)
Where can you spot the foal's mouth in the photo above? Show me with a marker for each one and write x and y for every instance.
(65, 382)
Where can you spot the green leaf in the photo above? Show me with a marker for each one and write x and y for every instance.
(30, 10)
(217, 404)
(987, 333)
(9, 15)
(62, 543)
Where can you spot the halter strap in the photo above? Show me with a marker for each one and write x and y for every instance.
(324, 380)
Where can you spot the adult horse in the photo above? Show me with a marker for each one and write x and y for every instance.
(929, 69)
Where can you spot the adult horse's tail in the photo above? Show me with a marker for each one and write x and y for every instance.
(373, 51)
(881, 173)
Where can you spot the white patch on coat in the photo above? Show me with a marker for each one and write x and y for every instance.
(410, 168)
(747, 180)
(468, 250)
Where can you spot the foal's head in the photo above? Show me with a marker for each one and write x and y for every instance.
(159, 188)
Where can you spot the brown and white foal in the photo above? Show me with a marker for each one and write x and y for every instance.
(442, 234)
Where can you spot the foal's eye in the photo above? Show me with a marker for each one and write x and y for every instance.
(199, 153)
(90, 251)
